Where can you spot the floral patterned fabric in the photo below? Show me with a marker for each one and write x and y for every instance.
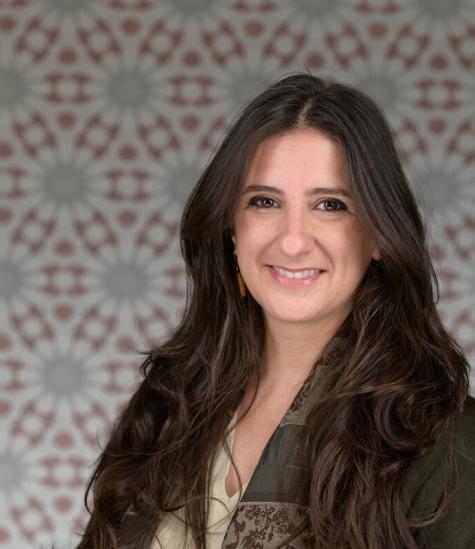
(263, 525)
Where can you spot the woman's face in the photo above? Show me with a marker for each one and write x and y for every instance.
(301, 248)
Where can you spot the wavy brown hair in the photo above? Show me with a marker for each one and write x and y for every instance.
(401, 382)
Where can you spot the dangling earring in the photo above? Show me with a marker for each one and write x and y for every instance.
(241, 285)
(240, 279)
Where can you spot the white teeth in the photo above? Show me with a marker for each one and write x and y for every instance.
(298, 274)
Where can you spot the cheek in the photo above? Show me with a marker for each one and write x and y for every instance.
(353, 246)
(247, 243)
(242, 224)
(250, 234)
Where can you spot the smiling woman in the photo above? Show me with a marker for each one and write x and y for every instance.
(300, 235)
(310, 396)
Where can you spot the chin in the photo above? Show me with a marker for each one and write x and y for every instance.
(293, 317)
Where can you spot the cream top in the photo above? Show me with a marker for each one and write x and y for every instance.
(170, 533)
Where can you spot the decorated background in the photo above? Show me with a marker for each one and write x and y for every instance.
(109, 109)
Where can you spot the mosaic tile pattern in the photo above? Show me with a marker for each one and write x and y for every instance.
(108, 112)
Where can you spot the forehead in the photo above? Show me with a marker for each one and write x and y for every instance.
(303, 156)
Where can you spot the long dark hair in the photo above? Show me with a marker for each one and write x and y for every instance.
(404, 380)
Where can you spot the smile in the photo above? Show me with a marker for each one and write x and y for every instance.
(302, 277)
(296, 274)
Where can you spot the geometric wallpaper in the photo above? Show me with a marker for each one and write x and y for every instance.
(109, 110)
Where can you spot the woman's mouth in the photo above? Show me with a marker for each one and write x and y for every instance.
(301, 277)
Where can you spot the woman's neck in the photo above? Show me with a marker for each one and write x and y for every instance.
(290, 351)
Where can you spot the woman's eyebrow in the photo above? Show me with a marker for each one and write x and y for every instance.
(310, 192)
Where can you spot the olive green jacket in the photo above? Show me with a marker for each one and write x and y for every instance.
(273, 503)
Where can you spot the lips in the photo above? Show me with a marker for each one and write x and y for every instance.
(296, 274)
(294, 278)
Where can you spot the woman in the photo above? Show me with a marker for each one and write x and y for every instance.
(310, 397)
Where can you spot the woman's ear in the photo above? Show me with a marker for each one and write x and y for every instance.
(376, 254)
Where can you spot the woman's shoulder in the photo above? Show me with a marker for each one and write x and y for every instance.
(461, 437)
(451, 462)
(464, 432)
(456, 443)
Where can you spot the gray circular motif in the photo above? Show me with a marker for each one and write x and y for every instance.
(72, 7)
(13, 87)
(125, 282)
(180, 181)
(12, 472)
(129, 89)
(193, 7)
(381, 89)
(315, 7)
(246, 85)
(65, 183)
(12, 279)
(440, 8)
(64, 376)
(436, 190)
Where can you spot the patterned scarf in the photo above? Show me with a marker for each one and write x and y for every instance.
(274, 502)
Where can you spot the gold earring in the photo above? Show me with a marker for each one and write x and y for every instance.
(241, 285)
(240, 279)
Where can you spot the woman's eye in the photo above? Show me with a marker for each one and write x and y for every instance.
(331, 205)
(327, 205)
(262, 202)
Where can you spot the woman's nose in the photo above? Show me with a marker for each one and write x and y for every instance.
(295, 234)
